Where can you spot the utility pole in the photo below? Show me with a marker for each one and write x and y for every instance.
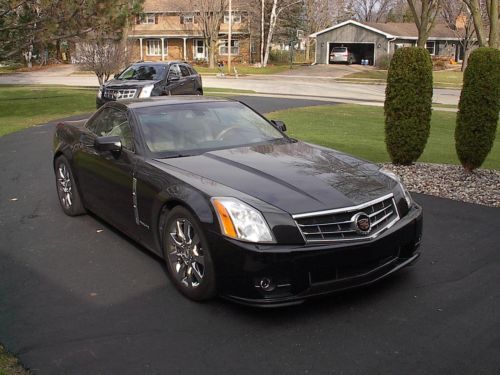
(229, 37)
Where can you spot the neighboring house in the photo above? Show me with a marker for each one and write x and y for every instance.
(170, 30)
(372, 41)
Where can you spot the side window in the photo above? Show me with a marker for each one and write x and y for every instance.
(113, 122)
(174, 71)
(98, 122)
(118, 125)
(185, 71)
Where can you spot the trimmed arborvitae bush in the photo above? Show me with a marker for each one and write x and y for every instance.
(478, 108)
(408, 104)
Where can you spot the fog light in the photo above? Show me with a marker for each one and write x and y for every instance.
(267, 284)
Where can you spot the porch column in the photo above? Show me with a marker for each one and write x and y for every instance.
(185, 48)
(140, 47)
(162, 49)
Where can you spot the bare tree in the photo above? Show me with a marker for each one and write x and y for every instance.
(371, 10)
(424, 13)
(278, 6)
(458, 19)
(484, 15)
(103, 57)
(211, 16)
(318, 16)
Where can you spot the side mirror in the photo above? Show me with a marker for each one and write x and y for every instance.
(173, 78)
(108, 143)
(280, 125)
(116, 75)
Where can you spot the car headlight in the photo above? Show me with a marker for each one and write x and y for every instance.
(396, 178)
(240, 221)
(146, 91)
(99, 92)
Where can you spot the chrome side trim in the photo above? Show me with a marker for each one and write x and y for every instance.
(134, 201)
(344, 209)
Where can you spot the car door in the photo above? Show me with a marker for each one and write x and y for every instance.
(189, 86)
(105, 177)
(175, 81)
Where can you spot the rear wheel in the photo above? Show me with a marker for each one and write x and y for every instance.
(187, 255)
(67, 191)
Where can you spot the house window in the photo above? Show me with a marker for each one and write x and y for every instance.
(223, 47)
(154, 47)
(431, 47)
(187, 18)
(236, 17)
(148, 18)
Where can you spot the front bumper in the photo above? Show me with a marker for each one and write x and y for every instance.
(299, 272)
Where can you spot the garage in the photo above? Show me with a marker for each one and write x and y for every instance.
(359, 51)
(374, 41)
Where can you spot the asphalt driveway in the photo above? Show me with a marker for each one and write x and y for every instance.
(76, 297)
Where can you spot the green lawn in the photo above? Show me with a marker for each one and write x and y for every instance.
(359, 130)
(443, 78)
(9, 365)
(8, 69)
(245, 69)
(22, 107)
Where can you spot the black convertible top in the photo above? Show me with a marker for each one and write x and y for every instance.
(164, 100)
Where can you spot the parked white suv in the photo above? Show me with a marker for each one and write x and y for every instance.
(341, 54)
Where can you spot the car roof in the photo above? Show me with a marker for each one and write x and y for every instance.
(159, 62)
(165, 100)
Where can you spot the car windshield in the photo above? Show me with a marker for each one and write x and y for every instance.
(143, 72)
(340, 49)
(191, 128)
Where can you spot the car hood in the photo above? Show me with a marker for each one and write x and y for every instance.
(295, 177)
(133, 83)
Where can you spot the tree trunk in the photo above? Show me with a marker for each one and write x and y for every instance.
(272, 25)
(493, 14)
(308, 49)
(466, 58)
(478, 22)
(211, 54)
(262, 33)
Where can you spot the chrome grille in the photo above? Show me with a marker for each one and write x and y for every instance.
(118, 94)
(340, 225)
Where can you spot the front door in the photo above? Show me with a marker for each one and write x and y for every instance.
(199, 49)
(177, 84)
(106, 178)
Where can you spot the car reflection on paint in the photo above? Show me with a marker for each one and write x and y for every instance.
(234, 206)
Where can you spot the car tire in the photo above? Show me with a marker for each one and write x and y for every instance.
(67, 190)
(199, 92)
(187, 255)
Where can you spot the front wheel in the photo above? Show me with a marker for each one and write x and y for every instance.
(67, 191)
(187, 255)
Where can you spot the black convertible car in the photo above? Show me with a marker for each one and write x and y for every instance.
(233, 205)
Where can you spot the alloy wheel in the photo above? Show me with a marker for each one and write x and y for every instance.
(64, 186)
(185, 253)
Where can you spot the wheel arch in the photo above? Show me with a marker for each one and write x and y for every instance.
(199, 206)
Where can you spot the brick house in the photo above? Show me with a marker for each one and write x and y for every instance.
(170, 30)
